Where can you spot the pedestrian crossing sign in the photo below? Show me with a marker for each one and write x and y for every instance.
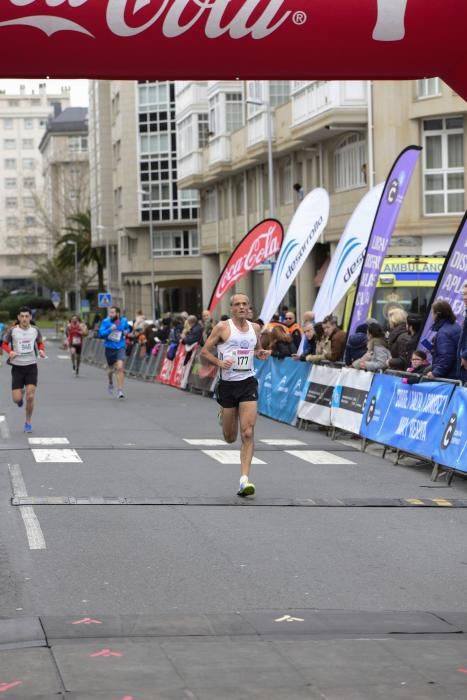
(104, 300)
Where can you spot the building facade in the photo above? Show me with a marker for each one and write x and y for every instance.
(136, 205)
(341, 135)
(24, 240)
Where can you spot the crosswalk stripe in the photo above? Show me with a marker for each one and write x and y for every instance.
(207, 442)
(56, 456)
(48, 441)
(285, 442)
(229, 456)
(318, 457)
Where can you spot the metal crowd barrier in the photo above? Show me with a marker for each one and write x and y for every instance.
(136, 365)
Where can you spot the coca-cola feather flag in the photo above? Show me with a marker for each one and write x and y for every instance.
(259, 244)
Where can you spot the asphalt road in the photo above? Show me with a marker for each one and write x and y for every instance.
(212, 555)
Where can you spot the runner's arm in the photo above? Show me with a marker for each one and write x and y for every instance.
(7, 344)
(210, 345)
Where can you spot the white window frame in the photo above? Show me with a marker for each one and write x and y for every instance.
(349, 159)
(428, 87)
(444, 171)
(166, 243)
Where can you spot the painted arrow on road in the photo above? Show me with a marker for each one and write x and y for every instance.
(87, 621)
(287, 618)
(106, 652)
(8, 686)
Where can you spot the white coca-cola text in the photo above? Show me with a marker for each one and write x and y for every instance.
(263, 247)
(176, 17)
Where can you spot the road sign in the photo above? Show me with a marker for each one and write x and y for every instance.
(55, 297)
(104, 300)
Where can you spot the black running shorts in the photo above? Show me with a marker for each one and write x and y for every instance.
(231, 394)
(23, 375)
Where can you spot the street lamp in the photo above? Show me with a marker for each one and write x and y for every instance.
(77, 291)
(143, 192)
(100, 227)
(267, 105)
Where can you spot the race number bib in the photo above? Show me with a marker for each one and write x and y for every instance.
(242, 360)
(76, 340)
(26, 347)
(115, 336)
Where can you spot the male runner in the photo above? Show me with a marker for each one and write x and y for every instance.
(237, 342)
(20, 343)
(76, 330)
(114, 329)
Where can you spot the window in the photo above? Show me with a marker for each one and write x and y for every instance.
(28, 202)
(154, 143)
(13, 103)
(11, 202)
(29, 123)
(210, 207)
(174, 243)
(11, 222)
(12, 241)
(29, 183)
(117, 150)
(189, 198)
(185, 137)
(30, 221)
(77, 144)
(10, 183)
(29, 164)
(8, 123)
(203, 130)
(9, 144)
(239, 197)
(10, 164)
(428, 87)
(279, 92)
(118, 197)
(28, 143)
(443, 158)
(215, 114)
(153, 94)
(285, 184)
(233, 111)
(31, 241)
(349, 163)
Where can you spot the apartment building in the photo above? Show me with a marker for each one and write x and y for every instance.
(137, 209)
(65, 169)
(23, 238)
(341, 135)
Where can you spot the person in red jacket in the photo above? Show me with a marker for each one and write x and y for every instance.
(76, 331)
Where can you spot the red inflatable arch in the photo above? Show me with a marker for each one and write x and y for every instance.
(225, 39)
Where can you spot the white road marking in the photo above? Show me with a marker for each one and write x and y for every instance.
(229, 456)
(56, 456)
(34, 532)
(4, 430)
(63, 357)
(284, 442)
(318, 457)
(207, 442)
(48, 441)
(287, 618)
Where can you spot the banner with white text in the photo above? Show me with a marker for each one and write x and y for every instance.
(316, 406)
(349, 399)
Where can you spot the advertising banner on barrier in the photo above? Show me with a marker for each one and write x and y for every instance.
(203, 374)
(260, 244)
(249, 39)
(386, 217)
(281, 387)
(316, 405)
(405, 416)
(349, 399)
(450, 285)
(451, 440)
(307, 225)
(347, 261)
(175, 372)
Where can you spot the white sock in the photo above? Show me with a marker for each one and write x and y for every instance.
(243, 479)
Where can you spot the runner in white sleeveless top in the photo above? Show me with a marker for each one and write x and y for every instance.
(237, 343)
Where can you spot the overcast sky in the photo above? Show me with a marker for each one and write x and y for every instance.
(79, 88)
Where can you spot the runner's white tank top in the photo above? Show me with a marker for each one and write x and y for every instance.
(240, 346)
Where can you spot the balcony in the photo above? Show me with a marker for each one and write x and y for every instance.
(257, 128)
(315, 99)
(190, 165)
(219, 150)
(192, 97)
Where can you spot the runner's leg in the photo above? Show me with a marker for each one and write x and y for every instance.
(18, 396)
(73, 358)
(247, 414)
(230, 424)
(120, 375)
(30, 393)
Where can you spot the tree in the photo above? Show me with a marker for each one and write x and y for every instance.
(49, 274)
(79, 231)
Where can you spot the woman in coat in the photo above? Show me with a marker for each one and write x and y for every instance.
(399, 339)
(445, 342)
(282, 344)
(377, 355)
